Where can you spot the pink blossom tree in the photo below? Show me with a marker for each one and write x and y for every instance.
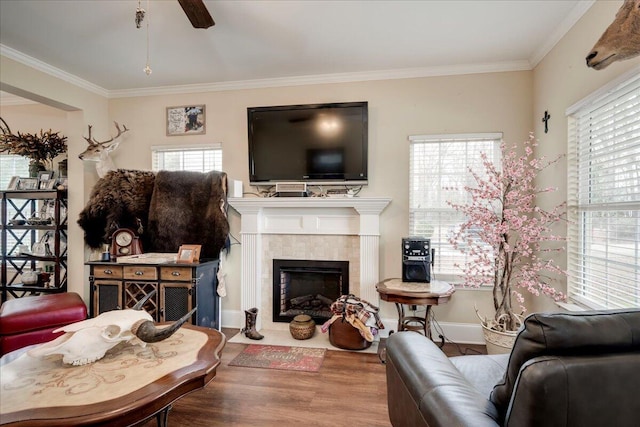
(506, 236)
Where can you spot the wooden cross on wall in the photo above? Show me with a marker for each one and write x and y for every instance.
(545, 119)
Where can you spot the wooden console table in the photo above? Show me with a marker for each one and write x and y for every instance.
(130, 384)
(179, 288)
(415, 293)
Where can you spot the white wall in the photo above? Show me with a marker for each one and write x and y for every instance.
(560, 80)
(397, 109)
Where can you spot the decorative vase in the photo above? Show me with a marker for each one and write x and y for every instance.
(302, 327)
(30, 277)
(498, 342)
(35, 168)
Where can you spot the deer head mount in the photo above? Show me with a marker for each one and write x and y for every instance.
(99, 151)
(621, 40)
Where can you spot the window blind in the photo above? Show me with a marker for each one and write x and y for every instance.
(437, 164)
(604, 198)
(198, 158)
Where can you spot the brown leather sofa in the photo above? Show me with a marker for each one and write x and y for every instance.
(565, 369)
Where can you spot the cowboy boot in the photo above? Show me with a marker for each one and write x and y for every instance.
(249, 330)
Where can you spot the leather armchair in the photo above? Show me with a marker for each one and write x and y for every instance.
(32, 319)
(565, 369)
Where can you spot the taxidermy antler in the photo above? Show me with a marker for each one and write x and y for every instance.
(621, 40)
(99, 151)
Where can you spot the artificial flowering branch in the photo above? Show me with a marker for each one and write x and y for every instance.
(507, 237)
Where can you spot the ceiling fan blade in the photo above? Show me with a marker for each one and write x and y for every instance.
(197, 13)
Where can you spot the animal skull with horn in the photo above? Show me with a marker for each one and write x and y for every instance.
(88, 340)
(621, 40)
(99, 151)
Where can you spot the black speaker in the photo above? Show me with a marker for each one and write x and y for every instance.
(416, 259)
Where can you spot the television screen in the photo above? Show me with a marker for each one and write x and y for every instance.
(319, 142)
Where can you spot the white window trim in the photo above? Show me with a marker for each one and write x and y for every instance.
(455, 279)
(182, 148)
(592, 101)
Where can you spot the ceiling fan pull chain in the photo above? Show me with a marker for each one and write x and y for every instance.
(147, 68)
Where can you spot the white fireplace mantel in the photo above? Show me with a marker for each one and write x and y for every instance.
(359, 216)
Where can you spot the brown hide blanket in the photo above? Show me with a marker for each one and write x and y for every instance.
(188, 208)
(173, 209)
(119, 199)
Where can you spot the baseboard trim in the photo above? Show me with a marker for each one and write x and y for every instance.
(461, 333)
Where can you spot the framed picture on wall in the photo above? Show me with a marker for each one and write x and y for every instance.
(186, 120)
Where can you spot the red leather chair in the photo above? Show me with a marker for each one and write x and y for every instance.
(31, 320)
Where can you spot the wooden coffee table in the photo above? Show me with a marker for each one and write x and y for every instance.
(130, 384)
(415, 293)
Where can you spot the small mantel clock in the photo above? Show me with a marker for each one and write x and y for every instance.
(125, 242)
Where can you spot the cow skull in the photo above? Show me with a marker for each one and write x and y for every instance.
(87, 341)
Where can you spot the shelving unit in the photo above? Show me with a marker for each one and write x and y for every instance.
(23, 205)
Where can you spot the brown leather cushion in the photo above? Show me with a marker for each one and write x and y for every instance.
(566, 334)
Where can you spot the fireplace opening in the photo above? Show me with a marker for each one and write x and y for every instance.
(307, 287)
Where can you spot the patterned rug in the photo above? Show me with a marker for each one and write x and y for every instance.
(280, 357)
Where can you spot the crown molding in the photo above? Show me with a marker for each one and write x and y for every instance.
(51, 70)
(407, 73)
(574, 16)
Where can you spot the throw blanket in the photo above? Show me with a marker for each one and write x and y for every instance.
(361, 314)
(120, 199)
(189, 208)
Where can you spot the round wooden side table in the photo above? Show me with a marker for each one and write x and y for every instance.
(415, 293)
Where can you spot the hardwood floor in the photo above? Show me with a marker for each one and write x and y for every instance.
(350, 389)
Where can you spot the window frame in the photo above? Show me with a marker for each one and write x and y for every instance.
(444, 270)
(157, 149)
(584, 205)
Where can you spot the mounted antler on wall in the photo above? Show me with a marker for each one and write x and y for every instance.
(621, 40)
(99, 151)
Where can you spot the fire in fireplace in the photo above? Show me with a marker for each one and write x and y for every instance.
(307, 287)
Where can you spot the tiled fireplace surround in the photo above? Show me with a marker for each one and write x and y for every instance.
(333, 229)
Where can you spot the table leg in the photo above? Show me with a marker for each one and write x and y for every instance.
(427, 322)
(162, 417)
(400, 309)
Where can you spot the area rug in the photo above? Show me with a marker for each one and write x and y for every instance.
(280, 357)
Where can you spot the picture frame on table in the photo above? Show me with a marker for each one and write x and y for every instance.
(186, 120)
(44, 178)
(28, 184)
(188, 254)
(13, 184)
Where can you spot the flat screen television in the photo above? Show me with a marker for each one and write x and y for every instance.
(323, 143)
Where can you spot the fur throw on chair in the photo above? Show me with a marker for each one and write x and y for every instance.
(189, 208)
(119, 200)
